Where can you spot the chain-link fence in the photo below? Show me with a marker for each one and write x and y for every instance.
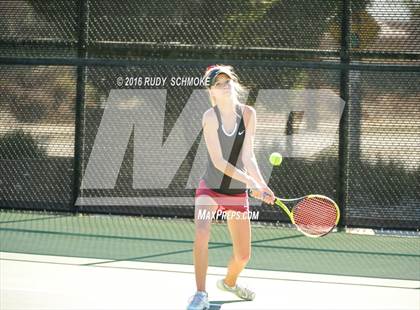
(60, 60)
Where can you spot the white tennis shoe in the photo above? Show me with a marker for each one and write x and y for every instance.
(199, 301)
(240, 291)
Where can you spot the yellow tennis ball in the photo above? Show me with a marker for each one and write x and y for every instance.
(276, 159)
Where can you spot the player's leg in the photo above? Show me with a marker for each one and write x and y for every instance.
(240, 232)
(205, 207)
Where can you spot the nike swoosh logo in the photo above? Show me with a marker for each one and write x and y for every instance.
(239, 133)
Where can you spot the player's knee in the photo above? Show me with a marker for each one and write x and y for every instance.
(243, 258)
(202, 234)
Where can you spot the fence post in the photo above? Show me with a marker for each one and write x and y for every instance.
(83, 18)
(344, 122)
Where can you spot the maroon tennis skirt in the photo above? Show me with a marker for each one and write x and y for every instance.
(225, 202)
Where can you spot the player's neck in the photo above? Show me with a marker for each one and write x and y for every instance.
(226, 106)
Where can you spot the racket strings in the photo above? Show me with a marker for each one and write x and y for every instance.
(315, 215)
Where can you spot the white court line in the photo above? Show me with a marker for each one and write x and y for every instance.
(218, 271)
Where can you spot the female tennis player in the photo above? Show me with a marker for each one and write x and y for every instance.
(229, 130)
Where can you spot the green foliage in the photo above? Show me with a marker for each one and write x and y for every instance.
(20, 145)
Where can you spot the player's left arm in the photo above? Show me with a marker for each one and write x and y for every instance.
(247, 153)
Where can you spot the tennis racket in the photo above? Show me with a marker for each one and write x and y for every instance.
(313, 215)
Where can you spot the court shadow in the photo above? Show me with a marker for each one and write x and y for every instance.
(217, 304)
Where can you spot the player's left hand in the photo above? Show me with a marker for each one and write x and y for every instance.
(268, 195)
